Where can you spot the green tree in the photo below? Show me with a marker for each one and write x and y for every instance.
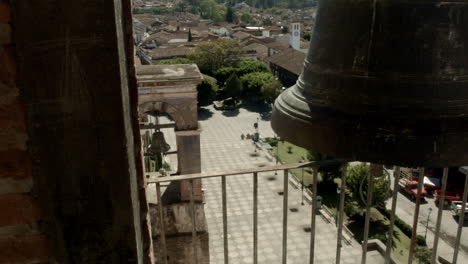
(246, 18)
(327, 173)
(423, 254)
(222, 74)
(357, 187)
(230, 14)
(306, 36)
(207, 90)
(233, 86)
(181, 6)
(213, 55)
(209, 9)
(253, 82)
(250, 65)
(189, 38)
(267, 22)
(271, 90)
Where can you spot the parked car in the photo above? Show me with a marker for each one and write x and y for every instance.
(457, 208)
(411, 188)
(450, 196)
(226, 104)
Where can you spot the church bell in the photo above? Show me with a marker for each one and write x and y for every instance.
(158, 143)
(384, 81)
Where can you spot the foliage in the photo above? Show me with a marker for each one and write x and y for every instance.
(175, 61)
(271, 90)
(181, 6)
(253, 82)
(306, 36)
(222, 74)
(154, 10)
(246, 18)
(251, 65)
(328, 172)
(230, 16)
(233, 86)
(209, 9)
(207, 90)
(190, 37)
(267, 22)
(213, 55)
(423, 254)
(357, 183)
(271, 141)
(404, 227)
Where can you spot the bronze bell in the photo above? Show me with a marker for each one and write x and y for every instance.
(385, 81)
(158, 143)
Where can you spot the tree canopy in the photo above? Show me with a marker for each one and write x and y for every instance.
(357, 188)
(233, 86)
(250, 65)
(253, 82)
(207, 90)
(271, 90)
(211, 56)
(230, 17)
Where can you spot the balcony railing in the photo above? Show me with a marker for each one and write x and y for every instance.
(157, 179)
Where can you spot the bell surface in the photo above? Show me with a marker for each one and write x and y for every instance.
(384, 81)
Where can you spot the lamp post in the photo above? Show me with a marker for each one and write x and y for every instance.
(277, 148)
(427, 222)
(337, 205)
(302, 187)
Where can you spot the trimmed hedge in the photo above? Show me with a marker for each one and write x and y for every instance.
(404, 227)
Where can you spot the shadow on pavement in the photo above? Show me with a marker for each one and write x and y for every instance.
(231, 113)
(262, 108)
(204, 114)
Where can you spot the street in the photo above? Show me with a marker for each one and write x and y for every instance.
(449, 225)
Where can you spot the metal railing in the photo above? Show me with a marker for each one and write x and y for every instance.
(155, 178)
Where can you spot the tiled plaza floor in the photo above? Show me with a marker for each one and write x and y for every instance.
(222, 149)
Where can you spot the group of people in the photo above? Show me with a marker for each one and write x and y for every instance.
(248, 136)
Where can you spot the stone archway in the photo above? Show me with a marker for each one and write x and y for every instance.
(172, 89)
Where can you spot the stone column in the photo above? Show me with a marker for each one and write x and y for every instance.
(189, 162)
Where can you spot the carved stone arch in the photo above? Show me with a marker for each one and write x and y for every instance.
(162, 107)
(184, 114)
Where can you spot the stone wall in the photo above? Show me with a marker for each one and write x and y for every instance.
(21, 239)
(76, 111)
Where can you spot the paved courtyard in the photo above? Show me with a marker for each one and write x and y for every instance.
(222, 149)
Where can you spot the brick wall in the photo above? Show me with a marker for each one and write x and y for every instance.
(20, 238)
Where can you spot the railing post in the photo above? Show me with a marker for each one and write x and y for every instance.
(461, 221)
(439, 216)
(396, 179)
(370, 190)
(255, 218)
(162, 230)
(285, 216)
(194, 223)
(416, 216)
(313, 216)
(341, 213)
(225, 223)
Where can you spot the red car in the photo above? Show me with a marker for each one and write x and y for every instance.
(411, 188)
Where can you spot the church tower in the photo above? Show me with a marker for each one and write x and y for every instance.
(295, 32)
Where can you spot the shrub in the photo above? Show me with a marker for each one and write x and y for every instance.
(250, 65)
(233, 86)
(207, 90)
(272, 141)
(253, 82)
